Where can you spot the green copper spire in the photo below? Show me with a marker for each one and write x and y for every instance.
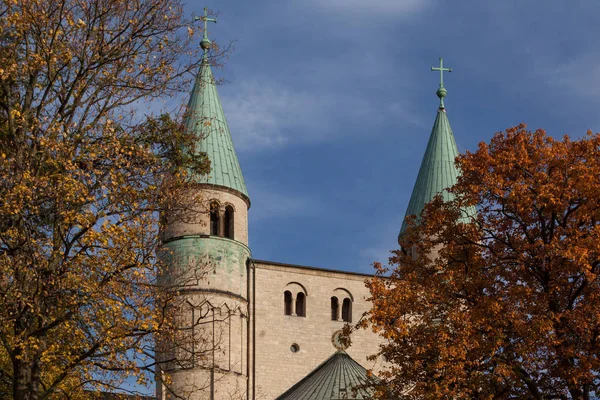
(438, 171)
(207, 120)
(441, 92)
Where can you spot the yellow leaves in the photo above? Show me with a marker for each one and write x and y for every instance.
(14, 113)
(81, 249)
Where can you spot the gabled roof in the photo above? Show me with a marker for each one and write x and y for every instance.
(207, 120)
(332, 380)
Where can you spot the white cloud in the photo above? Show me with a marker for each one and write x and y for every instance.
(262, 114)
(390, 8)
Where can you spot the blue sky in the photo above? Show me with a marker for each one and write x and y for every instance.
(330, 104)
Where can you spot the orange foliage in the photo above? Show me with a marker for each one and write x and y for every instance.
(505, 306)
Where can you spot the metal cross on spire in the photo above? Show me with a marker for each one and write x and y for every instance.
(441, 92)
(205, 43)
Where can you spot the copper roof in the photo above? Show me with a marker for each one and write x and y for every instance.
(338, 377)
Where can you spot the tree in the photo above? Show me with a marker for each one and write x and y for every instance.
(83, 180)
(505, 306)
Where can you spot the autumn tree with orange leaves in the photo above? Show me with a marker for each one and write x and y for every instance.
(506, 306)
(83, 181)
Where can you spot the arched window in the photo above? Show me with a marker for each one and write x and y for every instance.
(347, 310)
(287, 299)
(214, 218)
(334, 308)
(228, 222)
(301, 305)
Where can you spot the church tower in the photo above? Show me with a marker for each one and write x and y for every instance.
(438, 171)
(209, 255)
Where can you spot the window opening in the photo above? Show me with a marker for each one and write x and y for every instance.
(214, 219)
(301, 305)
(287, 299)
(228, 219)
(334, 308)
(347, 310)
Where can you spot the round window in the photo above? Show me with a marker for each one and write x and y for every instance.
(294, 348)
(339, 341)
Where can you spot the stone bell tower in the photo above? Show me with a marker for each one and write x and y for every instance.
(209, 253)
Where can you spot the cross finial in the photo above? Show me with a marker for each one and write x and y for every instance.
(441, 92)
(205, 43)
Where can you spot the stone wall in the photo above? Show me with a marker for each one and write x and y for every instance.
(210, 275)
(277, 366)
(197, 220)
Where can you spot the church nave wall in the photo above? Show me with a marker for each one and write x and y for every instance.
(279, 365)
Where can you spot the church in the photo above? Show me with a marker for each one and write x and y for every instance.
(271, 330)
